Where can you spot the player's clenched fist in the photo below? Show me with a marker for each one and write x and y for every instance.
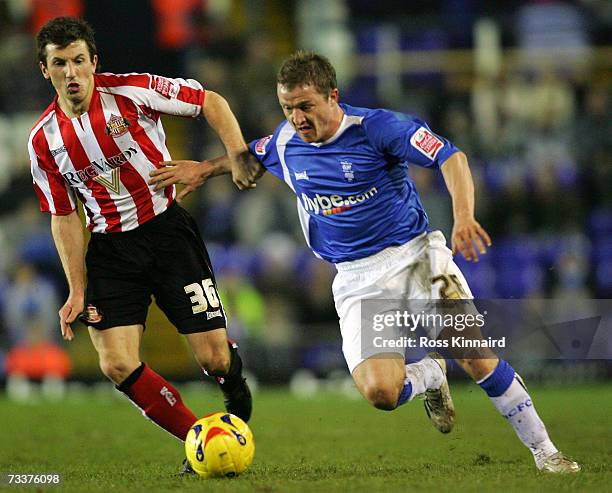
(246, 170)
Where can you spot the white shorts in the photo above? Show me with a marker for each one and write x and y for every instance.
(417, 270)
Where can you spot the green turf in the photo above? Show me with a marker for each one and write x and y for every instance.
(326, 443)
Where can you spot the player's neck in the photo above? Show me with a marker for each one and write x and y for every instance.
(337, 121)
(74, 109)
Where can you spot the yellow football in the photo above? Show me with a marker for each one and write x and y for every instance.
(218, 445)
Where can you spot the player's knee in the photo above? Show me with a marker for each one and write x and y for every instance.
(116, 368)
(382, 396)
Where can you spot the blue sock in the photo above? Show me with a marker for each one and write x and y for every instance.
(405, 395)
(498, 381)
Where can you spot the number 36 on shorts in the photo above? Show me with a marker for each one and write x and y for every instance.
(203, 295)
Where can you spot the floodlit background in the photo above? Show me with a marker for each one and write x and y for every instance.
(523, 87)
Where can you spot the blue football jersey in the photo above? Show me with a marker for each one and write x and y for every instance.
(354, 195)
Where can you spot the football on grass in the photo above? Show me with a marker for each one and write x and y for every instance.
(219, 445)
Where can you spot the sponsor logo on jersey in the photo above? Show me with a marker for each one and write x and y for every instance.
(301, 175)
(168, 395)
(116, 126)
(347, 169)
(216, 313)
(102, 166)
(58, 151)
(166, 87)
(114, 184)
(260, 145)
(334, 204)
(426, 143)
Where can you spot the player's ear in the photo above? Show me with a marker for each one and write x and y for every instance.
(94, 62)
(44, 70)
(334, 95)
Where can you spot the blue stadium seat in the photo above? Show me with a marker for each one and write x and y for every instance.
(550, 251)
(603, 278)
(242, 260)
(600, 223)
(602, 250)
(519, 251)
(480, 277)
(38, 249)
(519, 280)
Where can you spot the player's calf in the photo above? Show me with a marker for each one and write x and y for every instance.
(218, 363)
(158, 400)
(218, 357)
(510, 397)
(236, 393)
(478, 368)
(211, 351)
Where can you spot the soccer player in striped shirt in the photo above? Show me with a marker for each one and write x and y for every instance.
(360, 210)
(97, 143)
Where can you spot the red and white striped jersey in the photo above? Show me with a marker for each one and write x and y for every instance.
(104, 156)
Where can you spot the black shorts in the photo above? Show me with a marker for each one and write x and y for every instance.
(165, 257)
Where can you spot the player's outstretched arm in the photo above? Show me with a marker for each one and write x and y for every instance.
(468, 236)
(192, 174)
(67, 234)
(245, 170)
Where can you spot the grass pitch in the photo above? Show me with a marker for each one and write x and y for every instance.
(326, 443)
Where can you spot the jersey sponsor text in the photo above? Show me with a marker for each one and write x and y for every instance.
(334, 204)
(165, 87)
(99, 167)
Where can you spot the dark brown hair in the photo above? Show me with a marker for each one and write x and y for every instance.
(62, 31)
(307, 67)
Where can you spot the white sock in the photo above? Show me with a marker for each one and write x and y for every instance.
(516, 406)
(424, 375)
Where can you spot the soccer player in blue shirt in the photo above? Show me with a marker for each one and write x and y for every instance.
(360, 210)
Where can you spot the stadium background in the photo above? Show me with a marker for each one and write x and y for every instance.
(523, 87)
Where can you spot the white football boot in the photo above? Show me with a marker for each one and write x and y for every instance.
(558, 463)
(438, 402)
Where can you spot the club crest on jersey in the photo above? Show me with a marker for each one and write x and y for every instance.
(260, 145)
(116, 126)
(426, 143)
(347, 169)
(91, 315)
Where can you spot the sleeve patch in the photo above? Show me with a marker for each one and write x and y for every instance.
(167, 88)
(426, 143)
(260, 145)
